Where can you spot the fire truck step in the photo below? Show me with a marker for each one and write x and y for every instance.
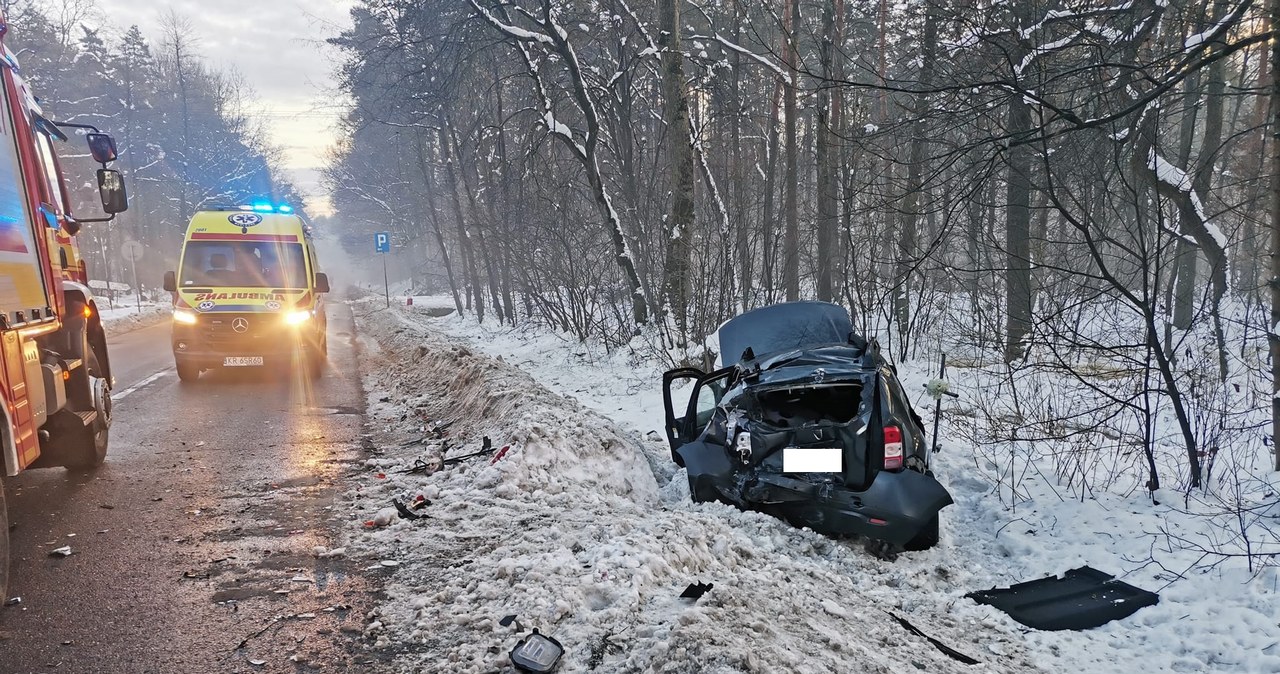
(88, 417)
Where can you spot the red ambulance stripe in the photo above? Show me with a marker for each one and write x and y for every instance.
(245, 237)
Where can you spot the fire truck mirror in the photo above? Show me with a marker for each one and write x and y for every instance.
(111, 188)
(102, 147)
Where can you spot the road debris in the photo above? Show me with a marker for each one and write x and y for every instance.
(405, 513)
(64, 551)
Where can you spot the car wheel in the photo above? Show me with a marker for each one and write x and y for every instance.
(927, 538)
(187, 372)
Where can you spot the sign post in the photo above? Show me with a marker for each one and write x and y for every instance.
(382, 246)
(133, 250)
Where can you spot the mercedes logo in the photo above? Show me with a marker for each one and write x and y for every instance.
(240, 325)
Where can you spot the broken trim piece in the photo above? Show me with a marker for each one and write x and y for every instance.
(945, 649)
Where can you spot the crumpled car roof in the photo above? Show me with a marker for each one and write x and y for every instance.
(784, 327)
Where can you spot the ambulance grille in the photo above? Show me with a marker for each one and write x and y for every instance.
(220, 329)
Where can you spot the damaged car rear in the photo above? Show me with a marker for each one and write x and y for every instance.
(809, 423)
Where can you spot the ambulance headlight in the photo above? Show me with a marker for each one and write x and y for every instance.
(184, 316)
(297, 317)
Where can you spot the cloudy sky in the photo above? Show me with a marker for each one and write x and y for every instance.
(278, 45)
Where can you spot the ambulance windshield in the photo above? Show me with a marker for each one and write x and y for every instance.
(243, 264)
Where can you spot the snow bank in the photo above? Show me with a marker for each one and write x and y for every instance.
(130, 318)
(585, 532)
(799, 588)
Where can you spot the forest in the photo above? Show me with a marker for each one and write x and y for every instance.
(1070, 198)
(186, 141)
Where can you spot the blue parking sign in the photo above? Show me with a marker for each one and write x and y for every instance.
(382, 242)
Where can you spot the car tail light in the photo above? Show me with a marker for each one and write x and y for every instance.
(892, 448)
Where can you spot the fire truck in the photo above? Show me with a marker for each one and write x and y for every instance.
(55, 376)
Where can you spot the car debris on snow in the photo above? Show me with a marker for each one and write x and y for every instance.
(945, 649)
(1080, 599)
(404, 511)
(696, 590)
(536, 653)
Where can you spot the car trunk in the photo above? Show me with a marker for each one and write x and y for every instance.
(834, 414)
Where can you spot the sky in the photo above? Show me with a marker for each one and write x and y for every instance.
(278, 46)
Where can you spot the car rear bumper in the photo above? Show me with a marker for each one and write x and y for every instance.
(895, 507)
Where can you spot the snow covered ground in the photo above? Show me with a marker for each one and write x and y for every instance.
(584, 530)
(127, 317)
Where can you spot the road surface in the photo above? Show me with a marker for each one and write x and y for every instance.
(194, 547)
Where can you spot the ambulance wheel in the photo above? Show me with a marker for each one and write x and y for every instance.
(87, 445)
(315, 362)
(188, 372)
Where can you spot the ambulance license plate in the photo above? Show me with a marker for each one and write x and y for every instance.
(242, 361)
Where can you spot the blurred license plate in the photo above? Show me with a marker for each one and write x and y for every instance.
(812, 460)
(242, 361)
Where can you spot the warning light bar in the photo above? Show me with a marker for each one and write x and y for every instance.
(267, 207)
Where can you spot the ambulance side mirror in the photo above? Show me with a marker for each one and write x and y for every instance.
(170, 282)
(322, 282)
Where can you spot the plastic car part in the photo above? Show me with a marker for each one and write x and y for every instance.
(1081, 599)
(942, 648)
(536, 653)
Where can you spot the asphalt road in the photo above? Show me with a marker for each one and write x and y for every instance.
(194, 547)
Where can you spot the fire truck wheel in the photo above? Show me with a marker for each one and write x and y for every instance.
(188, 372)
(87, 448)
(4, 548)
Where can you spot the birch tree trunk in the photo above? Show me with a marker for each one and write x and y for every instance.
(675, 274)
(1273, 339)
(791, 234)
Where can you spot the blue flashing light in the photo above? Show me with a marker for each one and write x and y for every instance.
(284, 208)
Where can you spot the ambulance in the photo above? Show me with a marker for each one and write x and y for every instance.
(247, 293)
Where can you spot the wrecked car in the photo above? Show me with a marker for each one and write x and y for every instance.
(809, 423)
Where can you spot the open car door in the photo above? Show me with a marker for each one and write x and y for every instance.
(678, 379)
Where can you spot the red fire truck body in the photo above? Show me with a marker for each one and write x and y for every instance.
(55, 378)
